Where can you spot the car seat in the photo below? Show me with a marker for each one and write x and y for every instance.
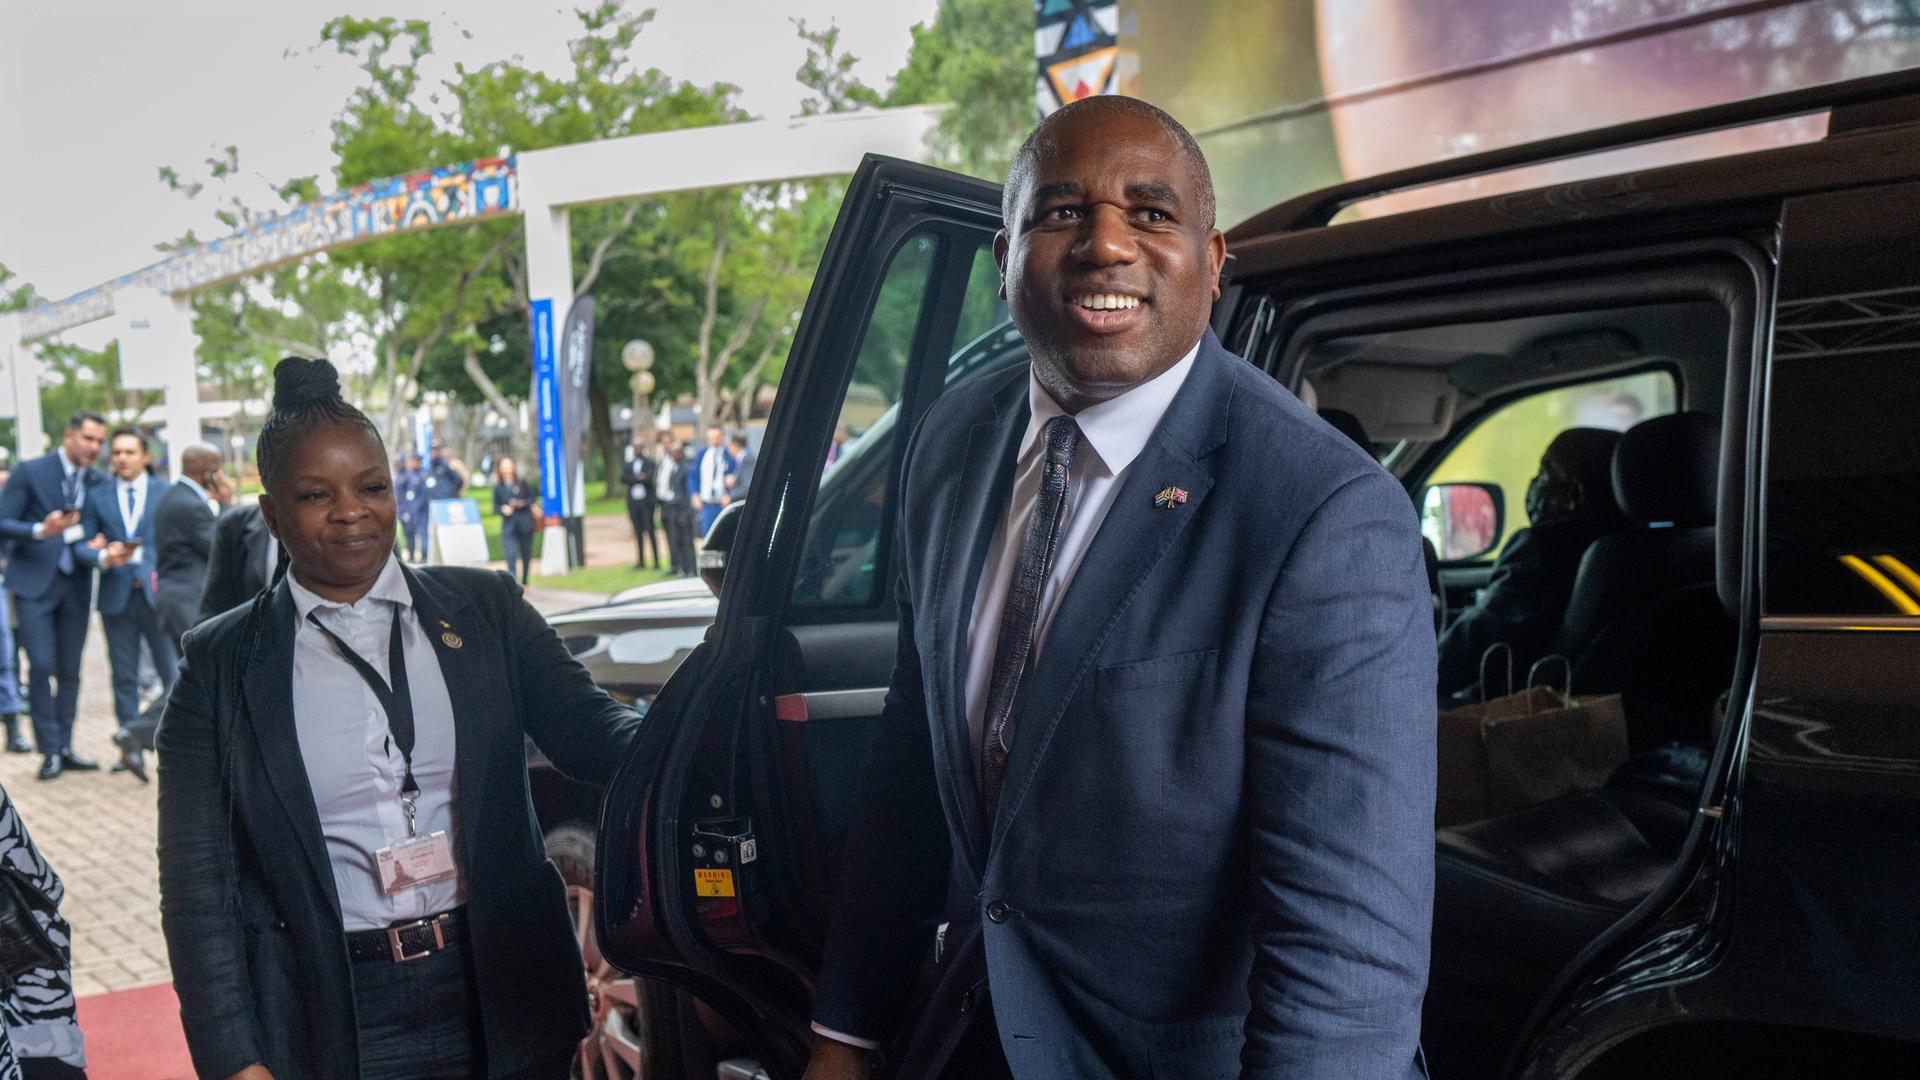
(1644, 620)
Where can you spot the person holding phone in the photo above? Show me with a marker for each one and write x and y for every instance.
(183, 536)
(119, 518)
(51, 586)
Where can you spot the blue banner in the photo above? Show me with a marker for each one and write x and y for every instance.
(546, 391)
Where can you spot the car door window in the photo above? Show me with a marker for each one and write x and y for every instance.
(1505, 448)
(843, 554)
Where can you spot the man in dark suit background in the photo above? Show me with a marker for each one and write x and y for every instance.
(639, 474)
(121, 512)
(183, 536)
(52, 587)
(1159, 746)
(244, 560)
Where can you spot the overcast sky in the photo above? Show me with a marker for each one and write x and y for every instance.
(95, 96)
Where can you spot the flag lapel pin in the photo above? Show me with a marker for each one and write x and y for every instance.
(1170, 497)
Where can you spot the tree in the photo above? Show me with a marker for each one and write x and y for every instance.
(977, 56)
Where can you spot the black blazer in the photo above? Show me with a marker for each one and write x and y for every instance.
(183, 538)
(248, 902)
(641, 471)
(237, 564)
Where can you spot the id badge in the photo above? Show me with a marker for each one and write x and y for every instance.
(419, 861)
(70, 534)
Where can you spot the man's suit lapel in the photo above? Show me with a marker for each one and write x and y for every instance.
(1135, 535)
(50, 480)
(268, 686)
(472, 688)
(987, 469)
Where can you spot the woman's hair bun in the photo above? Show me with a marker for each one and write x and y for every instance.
(298, 382)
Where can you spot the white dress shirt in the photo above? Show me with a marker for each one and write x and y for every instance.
(132, 521)
(666, 482)
(713, 475)
(1112, 434)
(351, 763)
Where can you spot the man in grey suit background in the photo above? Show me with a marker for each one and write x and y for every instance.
(1159, 746)
(183, 535)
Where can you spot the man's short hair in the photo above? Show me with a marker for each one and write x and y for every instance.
(135, 432)
(84, 417)
(1041, 141)
(739, 441)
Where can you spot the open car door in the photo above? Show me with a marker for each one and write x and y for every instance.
(720, 831)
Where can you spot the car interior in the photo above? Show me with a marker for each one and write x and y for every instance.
(1457, 390)
(1520, 893)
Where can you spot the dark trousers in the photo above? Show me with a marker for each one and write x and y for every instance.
(676, 520)
(53, 631)
(645, 543)
(979, 1055)
(708, 511)
(125, 629)
(415, 529)
(517, 542)
(421, 1021)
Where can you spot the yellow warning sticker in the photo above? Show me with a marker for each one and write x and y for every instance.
(713, 883)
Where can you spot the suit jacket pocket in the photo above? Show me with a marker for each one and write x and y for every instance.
(1175, 670)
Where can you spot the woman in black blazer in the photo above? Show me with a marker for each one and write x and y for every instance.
(352, 880)
(513, 501)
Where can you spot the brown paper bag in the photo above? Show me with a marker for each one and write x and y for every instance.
(1525, 747)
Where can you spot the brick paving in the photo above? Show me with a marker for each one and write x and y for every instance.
(98, 829)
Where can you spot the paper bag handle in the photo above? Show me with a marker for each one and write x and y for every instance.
(1485, 658)
(1566, 666)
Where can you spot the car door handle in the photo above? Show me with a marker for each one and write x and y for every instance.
(829, 705)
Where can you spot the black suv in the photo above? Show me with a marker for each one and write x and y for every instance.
(1737, 900)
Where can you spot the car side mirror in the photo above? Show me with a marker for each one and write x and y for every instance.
(1463, 521)
(713, 551)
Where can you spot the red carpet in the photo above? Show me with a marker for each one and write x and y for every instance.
(135, 1035)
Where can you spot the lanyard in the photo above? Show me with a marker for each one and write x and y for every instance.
(396, 700)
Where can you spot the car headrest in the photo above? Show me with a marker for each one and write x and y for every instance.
(1585, 456)
(1667, 469)
(1349, 425)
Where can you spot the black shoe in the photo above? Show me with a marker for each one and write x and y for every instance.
(77, 763)
(131, 758)
(50, 768)
(16, 742)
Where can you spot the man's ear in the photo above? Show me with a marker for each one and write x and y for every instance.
(267, 515)
(1000, 244)
(1216, 258)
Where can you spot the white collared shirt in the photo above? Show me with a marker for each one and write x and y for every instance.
(1112, 434)
(713, 474)
(131, 522)
(354, 769)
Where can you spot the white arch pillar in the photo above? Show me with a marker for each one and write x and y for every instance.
(20, 389)
(159, 351)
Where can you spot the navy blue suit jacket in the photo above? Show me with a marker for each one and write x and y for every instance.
(698, 462)
(1214, 848)
(33, 491)
(101, 514)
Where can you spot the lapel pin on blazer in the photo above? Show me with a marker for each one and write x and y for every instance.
(1170, 497)
(447, 635)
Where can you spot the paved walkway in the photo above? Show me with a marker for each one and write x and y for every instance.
(98, 831)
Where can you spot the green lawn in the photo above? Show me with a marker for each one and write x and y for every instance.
(600, 579)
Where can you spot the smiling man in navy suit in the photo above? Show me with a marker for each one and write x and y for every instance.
(52, 587)
(1159, 748)
(122, 513)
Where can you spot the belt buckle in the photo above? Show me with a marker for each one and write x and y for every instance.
(400, 953)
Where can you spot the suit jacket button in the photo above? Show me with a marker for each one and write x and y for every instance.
(998, 911)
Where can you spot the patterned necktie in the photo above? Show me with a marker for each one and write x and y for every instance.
(128, 488)
(1020, 620)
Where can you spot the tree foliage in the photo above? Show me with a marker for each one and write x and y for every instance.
(976, 56)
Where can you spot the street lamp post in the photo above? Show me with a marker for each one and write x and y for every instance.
(637, 357)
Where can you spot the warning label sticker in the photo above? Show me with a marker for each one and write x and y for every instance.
(713, 883)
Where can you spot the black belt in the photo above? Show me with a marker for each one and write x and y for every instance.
(402, 942)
